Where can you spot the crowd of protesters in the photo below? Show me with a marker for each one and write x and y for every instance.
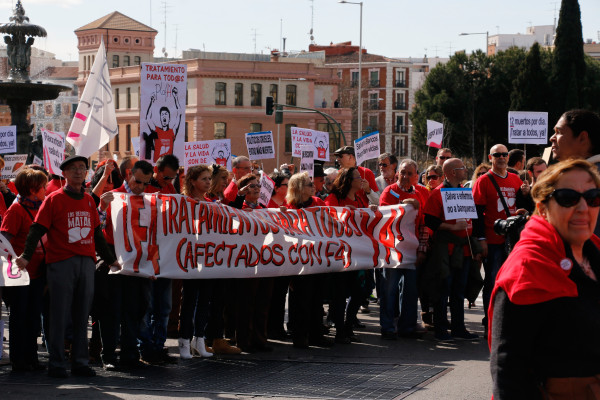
(62, 230)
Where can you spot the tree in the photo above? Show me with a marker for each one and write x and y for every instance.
(531, 87)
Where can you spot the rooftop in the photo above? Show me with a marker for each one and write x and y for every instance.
(116, 21)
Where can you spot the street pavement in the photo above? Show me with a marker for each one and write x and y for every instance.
(463, 365)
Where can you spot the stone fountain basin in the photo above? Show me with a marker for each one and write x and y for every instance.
(12, 90)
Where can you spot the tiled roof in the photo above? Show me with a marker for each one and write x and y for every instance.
(57, 73)
(116, 20)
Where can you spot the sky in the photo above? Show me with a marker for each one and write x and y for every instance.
(393, 28)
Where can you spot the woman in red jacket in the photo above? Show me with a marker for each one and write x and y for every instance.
(545, 307)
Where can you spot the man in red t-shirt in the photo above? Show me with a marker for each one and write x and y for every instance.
(489, 209)
(165, 171)
(240, 166)
(395, 296)
(370, 191)
(70, 219)
(449, 236)
(162, 138)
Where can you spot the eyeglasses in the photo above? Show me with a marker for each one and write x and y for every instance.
(383, 165)
(570, 198)
(498, 155)
(141, 183)
(445, 157)
(430, 177)
(459, 169)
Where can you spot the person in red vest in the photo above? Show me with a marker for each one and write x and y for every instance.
(545, 307)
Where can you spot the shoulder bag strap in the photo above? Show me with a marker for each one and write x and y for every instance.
(500, 195)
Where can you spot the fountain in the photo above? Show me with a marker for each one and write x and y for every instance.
(19, 91)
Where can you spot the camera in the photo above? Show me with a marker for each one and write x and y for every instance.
(511, 227)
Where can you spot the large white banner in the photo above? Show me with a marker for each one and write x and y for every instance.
(173, 236)
(302, 137)
(95, 122)
(435, 134)
(367, 147)
(13, 164)
(260, 145)
(207, 152)
(527, 127)
(54, 151)
(8, 139)
(162, 110)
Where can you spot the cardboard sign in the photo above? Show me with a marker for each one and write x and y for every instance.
(13, 164)
(37, 160)
(367, 147)
(302, 137)
(162, 110)
(266, 189)
(54, 151)
(458, 203)
(307, 162)
(527, 127)
(435, 134)
(207, 152)
(8, 139)
(260, 145)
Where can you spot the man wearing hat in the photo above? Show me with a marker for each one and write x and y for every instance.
(69, 218)
(347, 159)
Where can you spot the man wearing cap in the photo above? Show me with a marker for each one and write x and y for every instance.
(369, 191)
(70, 220)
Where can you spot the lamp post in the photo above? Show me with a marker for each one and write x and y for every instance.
(359, 66)
(487, 36)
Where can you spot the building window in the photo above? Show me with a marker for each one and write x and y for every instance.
(220, 93)
(128, 97)
(374, 78)
(220, 130)
(128, 137)
(115, 61)
(374, 101)
(400, 80)
(256, 94)
(373, 122)
(239, 94)
(354, 75)
(58, 110)
(273, 89)
(288, 137)
(117, 99)
(137, 60)
(73, 109)
(187, 139)
(116, 146)
(255, 127)
(126, 61)
(290, 95)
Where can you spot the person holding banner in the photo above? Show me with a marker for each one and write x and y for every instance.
(369, 191)
(280, 191)
(306, 291)
(345, 193)
(70, 219)
(449, 260)
(545, 308)
(218, 182)
(26, 301)
(240, 167)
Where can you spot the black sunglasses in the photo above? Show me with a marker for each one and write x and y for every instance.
(383, 165)
(498, 155)
(444, 157)
(570, 197)
(432, 177)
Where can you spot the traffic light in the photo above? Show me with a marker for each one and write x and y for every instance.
(270, 104)
(279, 115)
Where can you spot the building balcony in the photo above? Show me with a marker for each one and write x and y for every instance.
(373, 105)
(354, 83)
(401, 129)
(374, 83)
(400, 106)
(400, 83)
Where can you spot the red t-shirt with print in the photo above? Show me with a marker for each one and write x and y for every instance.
(485, 194)
(70, 223)
(16, 222)
(164, 143)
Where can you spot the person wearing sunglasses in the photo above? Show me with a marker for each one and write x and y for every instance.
(388, 164)
(490, 208)
(165, 172)
(545, 308)
(442, 155)
(434, 176)
(369, 191)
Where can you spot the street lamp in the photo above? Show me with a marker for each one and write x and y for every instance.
(359, 66)
(487, 36)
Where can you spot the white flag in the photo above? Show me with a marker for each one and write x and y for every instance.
(95, 122)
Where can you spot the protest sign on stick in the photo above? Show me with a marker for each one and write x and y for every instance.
(208, 152)
(458, 203)
(307, 162)
(526, 127)
(260, 145)
(302, 137)
(8, 139)
(367, 147)
(266, 189)
(13, 164)
(435, 134)
(54, 151)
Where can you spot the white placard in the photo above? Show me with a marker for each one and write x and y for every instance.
(302, 137)
(11, 275)
(54, 151)
(37, 160)
(367, 147)
(307, 162)
(13, 164)
(135, 145)
(458, 203)
(8, 139)
(435, 134)
(260, 145)
(162, 110)
(208, 152)
(266, 189)
(527, 127)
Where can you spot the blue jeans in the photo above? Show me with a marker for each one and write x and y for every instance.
(153, 329)
(399, 294)
(491, 265)
(454, 287)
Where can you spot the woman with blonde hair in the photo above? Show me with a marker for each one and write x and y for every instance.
(544, 311)
(434, 176)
